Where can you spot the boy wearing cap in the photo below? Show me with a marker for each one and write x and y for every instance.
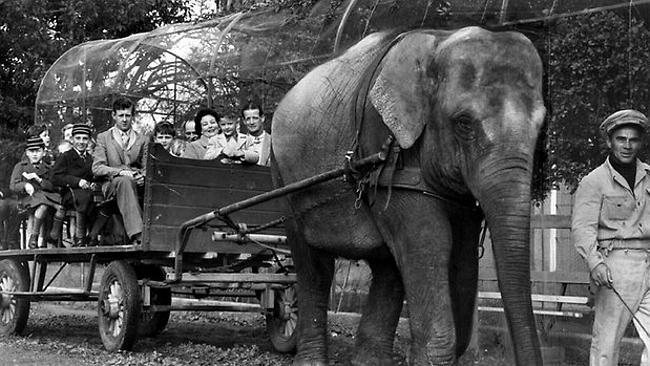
(611, 231)
(29, 180)
(73, 173)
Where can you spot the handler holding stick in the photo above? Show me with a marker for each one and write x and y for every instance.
(611, 231)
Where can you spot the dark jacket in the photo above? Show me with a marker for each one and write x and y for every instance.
(44, 192)
(70, 168)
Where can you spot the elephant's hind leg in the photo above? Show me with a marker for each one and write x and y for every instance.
(380, 316)
(315, 270)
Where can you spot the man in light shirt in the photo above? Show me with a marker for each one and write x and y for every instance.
(611, 231)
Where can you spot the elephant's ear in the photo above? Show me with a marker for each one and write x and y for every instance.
(402, 91)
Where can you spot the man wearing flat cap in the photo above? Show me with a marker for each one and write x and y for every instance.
(611, 231)
(73, 173)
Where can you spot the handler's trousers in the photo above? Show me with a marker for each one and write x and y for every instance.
(631, 275)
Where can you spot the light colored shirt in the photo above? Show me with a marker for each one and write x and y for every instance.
(220, 142)
(257, 149)
(197, 149)
(606, 208)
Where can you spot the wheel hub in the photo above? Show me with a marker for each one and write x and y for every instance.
(285, 310)
(111, 305)
(5, 300)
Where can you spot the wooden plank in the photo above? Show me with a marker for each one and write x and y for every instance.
(542, 276)
(208, 197)
(581, 300)
(237, 277)
(569, 314)
(211, 174)
(550, 222)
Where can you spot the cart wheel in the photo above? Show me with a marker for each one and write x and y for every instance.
(119, 306)
(14, 311)
(153, 323)
(282, 321)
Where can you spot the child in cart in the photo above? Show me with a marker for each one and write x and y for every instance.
(37, 195)
(72, 172)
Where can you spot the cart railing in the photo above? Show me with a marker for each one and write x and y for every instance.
(223, 213)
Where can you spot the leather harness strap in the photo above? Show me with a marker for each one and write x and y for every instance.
(389, 174)
(363, 89)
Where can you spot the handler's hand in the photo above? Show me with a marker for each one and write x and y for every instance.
(602, 275)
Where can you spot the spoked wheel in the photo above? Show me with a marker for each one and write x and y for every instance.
(14, 311)
(119, 306)
(153, 323)
(282, 321)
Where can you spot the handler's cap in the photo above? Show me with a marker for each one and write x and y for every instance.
(35, 142)
(624, 117)
(81, 128)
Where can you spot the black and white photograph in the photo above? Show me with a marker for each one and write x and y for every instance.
(324, 182)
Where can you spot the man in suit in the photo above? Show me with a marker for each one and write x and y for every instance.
(119, 160)
(72, 173)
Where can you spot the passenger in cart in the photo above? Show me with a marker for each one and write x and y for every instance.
(9, 218)
(37, 194)
(257, 148)
(66, 142)
(189, 131)
(72, 173)
(119, 162)
(164, 134)
(207, 126)
(228, 145)
(43, 132)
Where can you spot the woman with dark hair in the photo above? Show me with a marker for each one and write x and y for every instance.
(207, 126)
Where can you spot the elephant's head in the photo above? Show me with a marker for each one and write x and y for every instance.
(472, 100)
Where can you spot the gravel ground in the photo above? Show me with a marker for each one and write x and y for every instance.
(66, 334)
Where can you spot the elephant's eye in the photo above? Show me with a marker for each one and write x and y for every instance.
(464, 126)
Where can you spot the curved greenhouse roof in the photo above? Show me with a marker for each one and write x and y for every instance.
(174, 70)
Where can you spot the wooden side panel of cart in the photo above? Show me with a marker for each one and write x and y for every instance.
(179, 189)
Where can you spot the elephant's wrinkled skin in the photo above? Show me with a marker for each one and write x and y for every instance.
(466, 107)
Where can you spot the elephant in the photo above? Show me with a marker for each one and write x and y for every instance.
(457, 114)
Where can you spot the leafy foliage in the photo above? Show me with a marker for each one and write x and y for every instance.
(598, 64)
(36, 32)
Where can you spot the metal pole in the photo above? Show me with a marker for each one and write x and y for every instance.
(502, 15)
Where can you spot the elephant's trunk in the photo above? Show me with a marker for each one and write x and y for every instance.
(504, 194)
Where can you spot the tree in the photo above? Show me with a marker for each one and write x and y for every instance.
(598, 64)
(36, 32)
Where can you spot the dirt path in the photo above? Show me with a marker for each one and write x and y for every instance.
(58, 335)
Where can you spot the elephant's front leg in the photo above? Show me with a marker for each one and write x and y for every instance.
(315, 270)
(380, 315)
(417, 230)
(463, 271)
